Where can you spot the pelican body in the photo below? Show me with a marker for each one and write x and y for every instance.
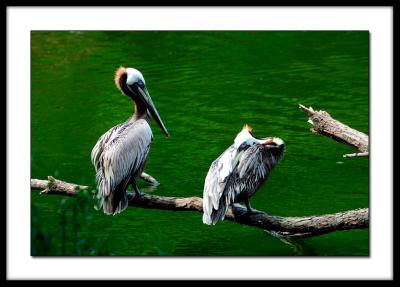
(238, 173)
(120, 154)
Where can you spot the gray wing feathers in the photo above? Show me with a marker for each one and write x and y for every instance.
(118, 155)
(217, 182)
(229, 175)
(210, 193)
(252, 165)
(101, 144)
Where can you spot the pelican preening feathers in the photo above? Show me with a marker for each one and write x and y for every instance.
(120, 154)
(238, 173)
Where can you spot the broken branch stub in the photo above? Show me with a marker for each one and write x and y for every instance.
(324, 124)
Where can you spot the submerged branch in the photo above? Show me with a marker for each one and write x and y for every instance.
(293, 227)
(324, 124)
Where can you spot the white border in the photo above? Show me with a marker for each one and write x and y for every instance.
(20, 21)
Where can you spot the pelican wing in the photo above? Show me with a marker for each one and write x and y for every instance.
(121, 153)
(235, 171)
(256, 164)
(109, 136)
(251, 166)
(217, 186)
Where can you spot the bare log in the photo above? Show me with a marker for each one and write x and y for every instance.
(55, 186)
(286, 227)
(324, 124)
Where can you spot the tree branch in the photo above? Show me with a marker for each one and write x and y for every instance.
(286, 227)
(324, 124)
(148, 178)
(55, 186)
(356, 154)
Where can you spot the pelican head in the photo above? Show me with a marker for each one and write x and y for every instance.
(131, 82)
(273, 144)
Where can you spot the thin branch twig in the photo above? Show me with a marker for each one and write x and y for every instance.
(356, 154)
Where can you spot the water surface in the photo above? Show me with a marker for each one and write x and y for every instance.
(205, 85)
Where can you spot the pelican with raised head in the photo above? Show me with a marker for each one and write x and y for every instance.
(238, 173)
(120, 154)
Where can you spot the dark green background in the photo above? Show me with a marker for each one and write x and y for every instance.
(205, 85)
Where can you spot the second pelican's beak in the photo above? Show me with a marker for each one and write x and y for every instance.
(273, 142)
(144, 95)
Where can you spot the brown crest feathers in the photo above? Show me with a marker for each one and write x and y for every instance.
(118, 74)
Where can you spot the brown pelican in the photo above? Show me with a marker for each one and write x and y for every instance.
(120, 154)
(238, 173)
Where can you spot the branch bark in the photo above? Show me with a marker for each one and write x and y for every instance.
(324, 124)
(284, 227)
(55, 186)
(149, 179)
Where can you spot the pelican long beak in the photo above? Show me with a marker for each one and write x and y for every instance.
(144, 94)
(273, 142)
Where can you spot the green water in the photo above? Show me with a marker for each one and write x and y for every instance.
(205, 86)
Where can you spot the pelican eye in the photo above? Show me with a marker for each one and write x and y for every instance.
(140, 84)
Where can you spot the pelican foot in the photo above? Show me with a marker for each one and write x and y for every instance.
(133, 195)
(239, 211)
(253, 211)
